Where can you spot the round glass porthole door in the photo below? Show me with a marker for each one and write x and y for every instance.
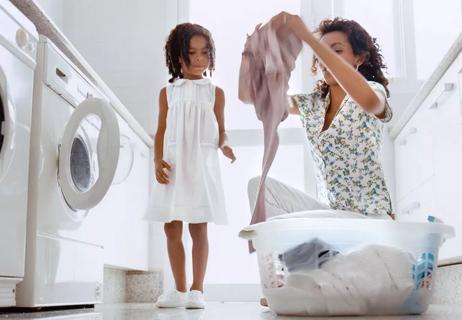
(81, 164)
(126, 159)
(88, 154)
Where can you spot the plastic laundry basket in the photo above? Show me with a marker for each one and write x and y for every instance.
(314, 263)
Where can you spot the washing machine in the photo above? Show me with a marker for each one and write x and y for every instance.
(18, 39)
(73, 159)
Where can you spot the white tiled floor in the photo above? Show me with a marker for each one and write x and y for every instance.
(213, 311)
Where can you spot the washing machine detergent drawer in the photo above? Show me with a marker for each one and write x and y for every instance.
(62, 78)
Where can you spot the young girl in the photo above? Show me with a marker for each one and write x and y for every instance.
(343, 117)
(190, 129)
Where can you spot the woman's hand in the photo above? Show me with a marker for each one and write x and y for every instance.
(228, 153)
(161, 175)
(293, 21)
(279, 20)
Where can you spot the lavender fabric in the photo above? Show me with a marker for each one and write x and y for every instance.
(267, 60)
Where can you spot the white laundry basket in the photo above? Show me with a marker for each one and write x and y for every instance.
(362, 266)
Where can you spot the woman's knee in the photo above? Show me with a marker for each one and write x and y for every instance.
(252, 185)
(198, 231)
(173, 230)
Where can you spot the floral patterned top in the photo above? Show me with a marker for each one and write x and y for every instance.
(349, 175)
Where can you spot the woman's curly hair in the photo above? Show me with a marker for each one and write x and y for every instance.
(177, 47)
(361, 43)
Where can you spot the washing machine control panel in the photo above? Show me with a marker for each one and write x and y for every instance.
(66, 80)
(18, 33)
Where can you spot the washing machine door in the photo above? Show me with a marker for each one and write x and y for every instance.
(7, 129)
(126, 159)
(75, 167)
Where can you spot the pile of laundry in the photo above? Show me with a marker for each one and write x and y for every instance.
(315, 279)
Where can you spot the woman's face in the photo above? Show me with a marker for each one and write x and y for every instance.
(199, 57)
(338, 41)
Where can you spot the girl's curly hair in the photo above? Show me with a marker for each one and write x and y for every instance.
(361, 43)
(177, 47)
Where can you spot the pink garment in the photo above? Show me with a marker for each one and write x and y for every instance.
(267, 61)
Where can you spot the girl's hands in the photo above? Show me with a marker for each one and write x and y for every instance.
(228, 153)
(161, 175)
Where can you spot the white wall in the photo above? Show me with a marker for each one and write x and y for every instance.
(437, 26)
(54, 10)
(123, 41)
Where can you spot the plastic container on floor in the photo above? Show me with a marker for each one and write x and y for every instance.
(328, 262)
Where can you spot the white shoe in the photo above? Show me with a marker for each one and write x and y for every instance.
(195, 300)
(172, 299)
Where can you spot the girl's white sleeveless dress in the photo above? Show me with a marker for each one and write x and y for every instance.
(195, 192)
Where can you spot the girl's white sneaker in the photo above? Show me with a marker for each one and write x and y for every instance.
(195, 300)
(172, 299)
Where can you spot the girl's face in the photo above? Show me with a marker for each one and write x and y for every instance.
(338, 41)
(199, 58)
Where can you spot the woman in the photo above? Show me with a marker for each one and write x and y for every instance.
(343, 117)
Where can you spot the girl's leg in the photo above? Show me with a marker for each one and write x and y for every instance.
(200, 252)
(173, 231)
